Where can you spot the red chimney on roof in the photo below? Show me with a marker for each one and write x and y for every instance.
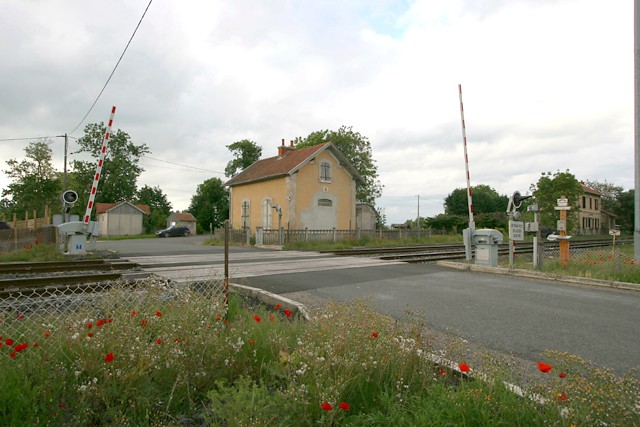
(283, 149)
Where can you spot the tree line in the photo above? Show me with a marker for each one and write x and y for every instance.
(489, 207)
(35, 183)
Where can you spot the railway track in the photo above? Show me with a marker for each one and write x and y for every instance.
(68, 276)
(430, 253)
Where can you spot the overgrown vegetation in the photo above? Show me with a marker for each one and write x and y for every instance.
(32, 253)
(173, 357)
(607, 264)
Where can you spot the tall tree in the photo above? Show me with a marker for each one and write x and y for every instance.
(36, 183)
(549, 188)
(210, 204)
(625, 211)
(485, 200)
(610, 193)
(159, 207)
(245, 153)
(120, 170)
(357, 149)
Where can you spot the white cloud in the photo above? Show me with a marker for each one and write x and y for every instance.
(547, 85)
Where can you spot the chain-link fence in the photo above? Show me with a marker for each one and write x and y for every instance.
(16, 238)
(614, 257)
(31, 315)
(584, 259)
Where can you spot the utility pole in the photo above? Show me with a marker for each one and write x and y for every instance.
(66, 154)
(636, 63)
(418, 219)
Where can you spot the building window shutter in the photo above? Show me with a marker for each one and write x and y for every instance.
(245, 214)
(266, 214)
(325, 171)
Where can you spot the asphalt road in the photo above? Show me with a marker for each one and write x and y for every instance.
(513, 315)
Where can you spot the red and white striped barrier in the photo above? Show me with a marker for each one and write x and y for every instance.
(96, 178)
(466, 162)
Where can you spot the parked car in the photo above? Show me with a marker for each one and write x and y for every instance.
(174, 231)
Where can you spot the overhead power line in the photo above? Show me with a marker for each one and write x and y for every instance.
(114, 69)
(35, 137)
(184, 166)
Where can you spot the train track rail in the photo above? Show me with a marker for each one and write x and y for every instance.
(54, 266)
(430, 253)
(68, 276)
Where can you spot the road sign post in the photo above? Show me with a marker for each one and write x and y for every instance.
(563, 207)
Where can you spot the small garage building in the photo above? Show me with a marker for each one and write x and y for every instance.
(121, 219)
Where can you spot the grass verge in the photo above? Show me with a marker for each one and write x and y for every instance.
(175, 358)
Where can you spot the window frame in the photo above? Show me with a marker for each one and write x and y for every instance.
(325, 171)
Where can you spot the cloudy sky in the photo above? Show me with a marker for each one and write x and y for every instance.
(547, 85)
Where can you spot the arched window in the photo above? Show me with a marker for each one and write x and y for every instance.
(325, 202)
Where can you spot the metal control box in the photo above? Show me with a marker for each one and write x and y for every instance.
(486, 241)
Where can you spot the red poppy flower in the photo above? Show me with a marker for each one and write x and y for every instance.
(464, 367)
(218, 318)
(21, 347)
(271, 318)
(443, 372)
(543, 367)
(287, 312)
(158, 313)
(20, 316)
(133, 313)
(13, 355)
(108, 358)
(100, 322)
(35, 344)
(256, 318)
(345, 406)
(562, 396)
(562, 375)
(89, 334)
(277, 307)
(158, 341)
(326, 406)
(89, 325)
(375, 335)
(143, 323)
(8, 342)
(46, 334)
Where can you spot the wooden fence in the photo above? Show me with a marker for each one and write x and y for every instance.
(27, 232)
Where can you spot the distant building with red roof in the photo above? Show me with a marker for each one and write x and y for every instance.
(592, 218)
(182, 219)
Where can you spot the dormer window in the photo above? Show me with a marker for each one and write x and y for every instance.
(325, 171)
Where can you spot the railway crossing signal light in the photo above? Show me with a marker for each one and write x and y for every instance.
(515, 201)
(69, 198)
